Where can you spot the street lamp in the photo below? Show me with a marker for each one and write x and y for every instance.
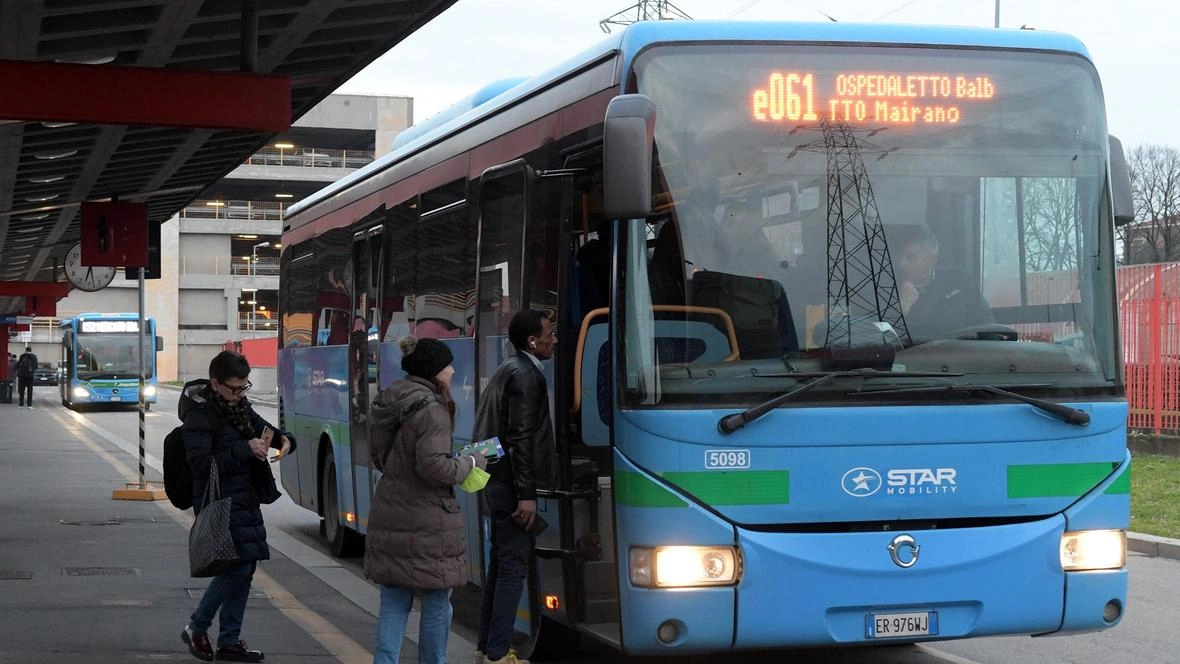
(254, 273)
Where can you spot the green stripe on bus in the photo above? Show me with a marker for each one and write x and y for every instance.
(637, 491)
(1055, 479)
(1121, 484)
(736, 487)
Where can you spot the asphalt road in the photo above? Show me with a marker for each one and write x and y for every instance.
(1147, 634)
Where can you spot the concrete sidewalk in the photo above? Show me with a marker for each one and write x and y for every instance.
(85, 578)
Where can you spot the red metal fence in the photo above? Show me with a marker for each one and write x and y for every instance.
(260, 353)
(1149, 314)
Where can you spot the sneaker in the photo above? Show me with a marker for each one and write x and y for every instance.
(239, 652)
(509, 658)
(478, 657)
(198, 644)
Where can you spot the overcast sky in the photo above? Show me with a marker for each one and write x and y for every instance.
(1132, 43)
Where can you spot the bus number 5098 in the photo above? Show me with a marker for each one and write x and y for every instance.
(725, 459)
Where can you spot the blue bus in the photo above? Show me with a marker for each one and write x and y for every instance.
(839, 356)
(99, 361)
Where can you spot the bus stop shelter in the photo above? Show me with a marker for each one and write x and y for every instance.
(152, 101)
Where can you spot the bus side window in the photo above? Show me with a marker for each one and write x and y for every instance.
(333, 299)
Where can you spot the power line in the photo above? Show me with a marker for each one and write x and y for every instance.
(743, 8)
(888, 14)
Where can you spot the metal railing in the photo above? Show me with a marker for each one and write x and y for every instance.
(235, 210)
(260, 321)
(311, 158)
(264, 266)
(230, 265)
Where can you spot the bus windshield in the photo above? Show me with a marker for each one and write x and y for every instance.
(904, 209)
(110, 355)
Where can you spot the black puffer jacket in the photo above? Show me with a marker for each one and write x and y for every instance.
(515, 407)
(248, 481)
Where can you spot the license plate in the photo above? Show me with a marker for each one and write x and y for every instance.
(894, 625)
(116, 398)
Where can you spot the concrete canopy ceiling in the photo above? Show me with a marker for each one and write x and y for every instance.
(319, 44)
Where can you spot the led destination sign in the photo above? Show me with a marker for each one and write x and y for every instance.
(98, 326)
(933, 98)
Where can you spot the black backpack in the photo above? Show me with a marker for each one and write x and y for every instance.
(178, 477)
(26, 365)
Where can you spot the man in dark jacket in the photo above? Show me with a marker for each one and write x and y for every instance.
(25, 366)
(515, 407)
(936, 300)
(220, 426)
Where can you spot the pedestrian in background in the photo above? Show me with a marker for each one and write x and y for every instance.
(221, 426)
(25, 366)
(515, 407)
(416, 541)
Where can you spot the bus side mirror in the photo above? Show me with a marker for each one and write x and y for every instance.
(159, 344)
(1120, 184)
(627, 137)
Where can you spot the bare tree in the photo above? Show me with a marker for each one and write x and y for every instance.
(1051, 224)
(1154, 236)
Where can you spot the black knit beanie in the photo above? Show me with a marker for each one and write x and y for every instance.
(424, 358)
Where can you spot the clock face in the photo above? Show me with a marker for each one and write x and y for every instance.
(86, 277)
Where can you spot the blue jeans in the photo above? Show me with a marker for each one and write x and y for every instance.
(229, 592)
(511, 549)
(433, 628)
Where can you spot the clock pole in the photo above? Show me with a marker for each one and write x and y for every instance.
(141, 491)
(142, 369)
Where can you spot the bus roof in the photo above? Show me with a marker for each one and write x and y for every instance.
(457, 116)
(501, 94)
(99, 316)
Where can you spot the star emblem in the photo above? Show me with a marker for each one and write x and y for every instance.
(861, 482)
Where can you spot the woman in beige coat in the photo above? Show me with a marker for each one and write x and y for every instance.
(415, 540)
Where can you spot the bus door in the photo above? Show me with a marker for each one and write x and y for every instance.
(503, 216)
(519, 268)
(363, 347)
(590, 246)
(65, 376)
(501, 251)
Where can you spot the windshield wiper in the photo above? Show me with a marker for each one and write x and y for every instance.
(731, 423)
(1067, 414)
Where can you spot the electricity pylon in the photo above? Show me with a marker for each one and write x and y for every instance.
(644, 10)
(862, 287)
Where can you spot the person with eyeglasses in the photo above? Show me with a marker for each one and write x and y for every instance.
(515, 407)
(221, 426)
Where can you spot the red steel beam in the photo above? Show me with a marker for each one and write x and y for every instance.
(118, 95)
(34, 288)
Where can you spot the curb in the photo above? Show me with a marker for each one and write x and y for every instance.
(268, 400)
(1154, 546)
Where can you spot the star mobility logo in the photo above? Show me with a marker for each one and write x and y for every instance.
(861, 482)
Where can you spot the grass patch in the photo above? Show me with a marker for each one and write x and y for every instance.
(1155, 495)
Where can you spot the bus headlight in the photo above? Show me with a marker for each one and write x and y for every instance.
(1093, 549)
(149, 390)
(81, 393)
(685, 566)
